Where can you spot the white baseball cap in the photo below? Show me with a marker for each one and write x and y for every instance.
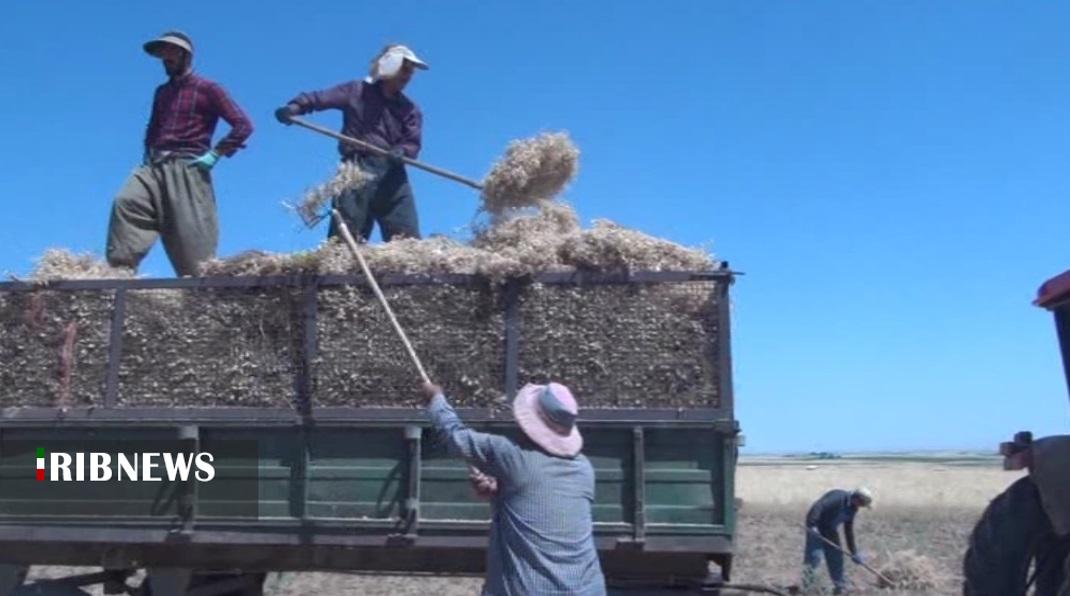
(865, 495)
(390, 61)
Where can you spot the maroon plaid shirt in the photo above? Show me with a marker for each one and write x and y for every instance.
(185, 111)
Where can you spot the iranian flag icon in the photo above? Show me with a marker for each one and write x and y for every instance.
(40, 463)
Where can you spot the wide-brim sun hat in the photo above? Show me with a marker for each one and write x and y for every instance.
(547, 415)
(173, 38)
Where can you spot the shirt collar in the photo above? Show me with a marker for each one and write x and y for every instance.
(398, 99)
(184, 79)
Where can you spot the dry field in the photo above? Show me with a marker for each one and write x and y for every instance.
(925, 508)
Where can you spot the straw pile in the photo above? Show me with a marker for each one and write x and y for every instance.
(60, 263)
(550, 239)
(531, 170)
(313, 206)
(908, 570)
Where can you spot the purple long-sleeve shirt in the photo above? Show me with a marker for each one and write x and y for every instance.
(185, 111)
(369, 115)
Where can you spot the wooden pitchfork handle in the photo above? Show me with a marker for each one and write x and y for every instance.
(378, 293)
(348, 237)
(879, 575)
(380, 151)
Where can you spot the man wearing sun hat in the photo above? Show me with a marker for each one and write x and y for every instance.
(377, 111)
(823, 520)
(541, 489)
(170, 195)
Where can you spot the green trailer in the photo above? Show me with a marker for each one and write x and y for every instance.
(322, 458)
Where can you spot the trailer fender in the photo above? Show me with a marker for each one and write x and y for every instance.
(1051, 474)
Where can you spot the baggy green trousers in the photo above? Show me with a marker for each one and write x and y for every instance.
(170, 199)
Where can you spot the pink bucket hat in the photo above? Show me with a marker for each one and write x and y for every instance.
(547, 415)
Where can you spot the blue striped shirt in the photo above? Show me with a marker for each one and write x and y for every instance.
(542, 533)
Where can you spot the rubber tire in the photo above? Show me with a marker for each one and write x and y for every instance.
(1011, 532)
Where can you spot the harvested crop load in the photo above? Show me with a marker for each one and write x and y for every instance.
(532, 170)
(53, 347)
(227, 347)
(549, 239)
(60, 263)
(313, 206)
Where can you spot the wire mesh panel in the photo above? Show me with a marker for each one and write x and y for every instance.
(209, 347)
(456, 330)
(54, 347)
(624, 345)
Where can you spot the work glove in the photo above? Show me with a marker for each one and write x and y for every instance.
(857, 558)
(813, 531)
(206, 162)
(284, 114)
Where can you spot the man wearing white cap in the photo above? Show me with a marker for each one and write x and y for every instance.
(375, 110)
(823, 520)
(541, 490)
(170, 195)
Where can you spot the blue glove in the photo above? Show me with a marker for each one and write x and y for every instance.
(207, 161)
(857, 558)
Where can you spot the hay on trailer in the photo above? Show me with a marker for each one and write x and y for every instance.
(548, 238)
(456, 330)
(53, 346)
(650, 345)
(909, 570)
(208, 347)
(532, 170)
(60, 263)
(313, 206)
(534, 242)
(610, 246)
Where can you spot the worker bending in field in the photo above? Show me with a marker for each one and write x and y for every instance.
(541, 490)
(826, 515)
(170, 195)
(376, 111)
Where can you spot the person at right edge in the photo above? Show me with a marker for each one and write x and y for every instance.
(374, 110)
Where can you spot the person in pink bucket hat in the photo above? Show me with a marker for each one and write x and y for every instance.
(541, 489)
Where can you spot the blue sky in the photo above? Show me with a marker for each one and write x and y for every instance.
(891, 176)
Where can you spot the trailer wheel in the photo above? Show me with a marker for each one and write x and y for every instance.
(1012, 532)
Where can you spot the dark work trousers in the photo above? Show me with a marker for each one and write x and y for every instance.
(815, 548)
(386, 198)
(169, 199)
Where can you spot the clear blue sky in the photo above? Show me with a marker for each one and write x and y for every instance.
(891, 176)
